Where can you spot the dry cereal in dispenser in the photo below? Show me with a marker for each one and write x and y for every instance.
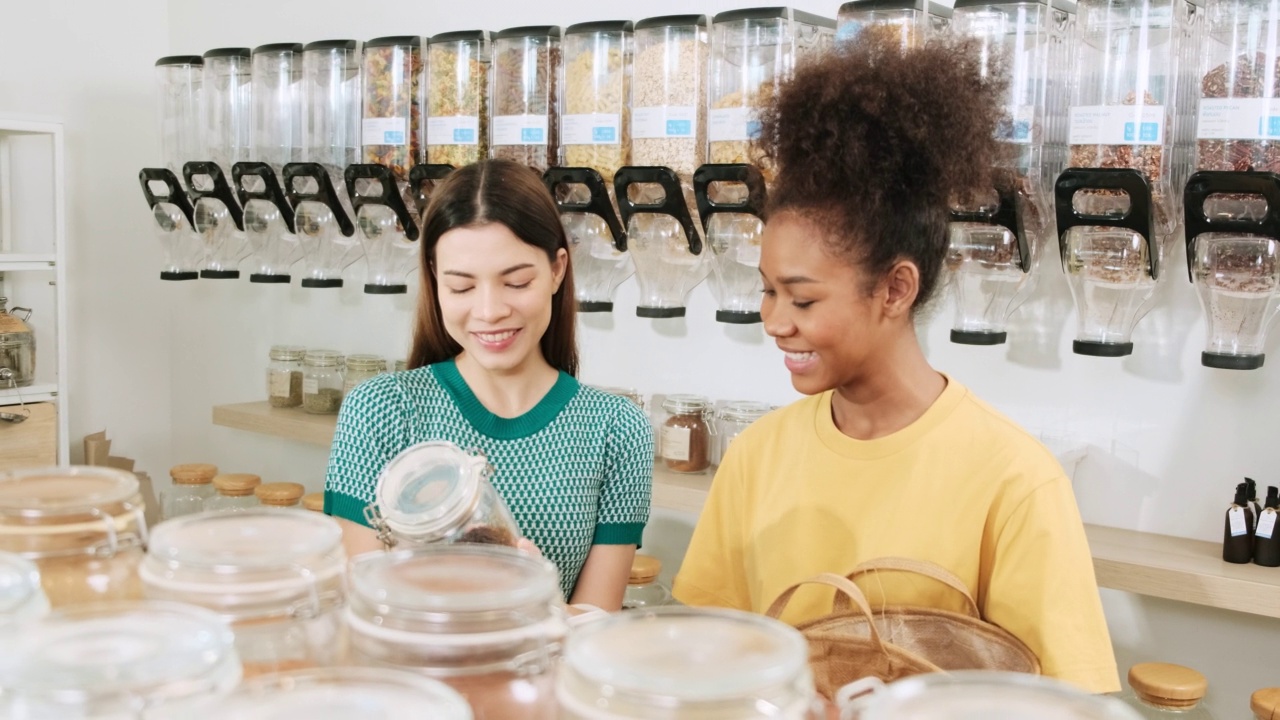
(390, 131)
(526, 67)
(458, 98)
(669, 93)
(597, 71)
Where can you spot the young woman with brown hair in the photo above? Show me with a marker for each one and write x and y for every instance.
(492, 367)
(887, 456)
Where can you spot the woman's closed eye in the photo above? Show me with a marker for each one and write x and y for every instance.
(460, 290)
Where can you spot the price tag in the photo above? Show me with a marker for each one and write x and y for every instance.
(1267, 524)
(1237, 521)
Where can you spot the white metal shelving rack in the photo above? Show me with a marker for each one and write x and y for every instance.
(46, 261)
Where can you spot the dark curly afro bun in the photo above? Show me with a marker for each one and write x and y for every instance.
(871, 143)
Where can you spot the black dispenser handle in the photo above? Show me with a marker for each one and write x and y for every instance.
(426, 172)
(1006, 216)
(1209, 182)
(749, 175)
(597, 205)
(324, 193)
(221, 190)
(389, 196)
(1139, 219)
(176, 196)
(271, 191)
(673, 204)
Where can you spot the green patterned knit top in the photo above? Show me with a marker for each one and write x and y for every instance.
(575, 471)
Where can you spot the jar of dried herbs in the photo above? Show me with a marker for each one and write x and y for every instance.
(284, 376)
(360, 368)
(322, 381)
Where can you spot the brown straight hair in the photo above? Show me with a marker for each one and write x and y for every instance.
(510, 194)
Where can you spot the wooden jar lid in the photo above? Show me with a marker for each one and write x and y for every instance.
(644, 569)
(236, 484)
(313, 501)
(1167, 685)
(1266, 703)
(193, 473)
(280, 494)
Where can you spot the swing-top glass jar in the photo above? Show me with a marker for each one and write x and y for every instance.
(686, 434)
(361, 368)
(322, 382)
(284, 375)
(21, 598)
(436, 492)
(83, 527)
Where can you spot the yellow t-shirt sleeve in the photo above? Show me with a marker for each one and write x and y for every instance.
(1043, 590)
(713, 571)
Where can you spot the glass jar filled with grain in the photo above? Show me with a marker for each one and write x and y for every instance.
(360, 368)
(284, 375)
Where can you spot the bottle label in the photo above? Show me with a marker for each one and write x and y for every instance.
(735, 124)
(592, 129)
(280, 382)
(453, 130)
(1239, 119)
(1239, 525)
(1117, 125)
(384, 131)
(310, 386)
(1267, 524)
(675, 443)
(663, 121)
(520, 130)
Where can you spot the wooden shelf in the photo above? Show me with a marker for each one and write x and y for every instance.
(1160, 566)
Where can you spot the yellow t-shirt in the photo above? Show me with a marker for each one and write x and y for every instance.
(962, 487)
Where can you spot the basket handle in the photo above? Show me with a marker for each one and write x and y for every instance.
(846, 592)
(919, 567)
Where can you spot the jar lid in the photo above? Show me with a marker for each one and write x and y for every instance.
(1167, 685)
(979, 693)
(65, 491)
(323, 358)
(684, 404)
(342, 694)
(279, 493)
(1265, 703)
(313, 501)
(253, 562)
(482, 588)
(288, 352)
(744, 411)
(366, 362)
(93, 661)
(236, 484)
(644, 568)
(21, 597)
(429, 489)
(687, 656)
(193, 473)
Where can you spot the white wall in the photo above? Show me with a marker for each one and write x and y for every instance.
(1168, 438)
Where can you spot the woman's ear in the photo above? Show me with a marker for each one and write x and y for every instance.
(902, 285)
(558, 269)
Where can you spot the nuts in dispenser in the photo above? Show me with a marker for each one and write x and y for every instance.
(1248, 82)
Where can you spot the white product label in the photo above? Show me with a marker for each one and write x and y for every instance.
(733, 124)
(1267, 524)
(1238, 522)
(384, 131)
(592, 129)
(454, 130)
(520, 130)
(280, 382)
(1117, 125)
(310, 386)
(1020, 127)
(1239, 119)
(675, 443)
(664, 121)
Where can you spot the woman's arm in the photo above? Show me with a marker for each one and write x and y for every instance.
(358, 539)
(604, 577)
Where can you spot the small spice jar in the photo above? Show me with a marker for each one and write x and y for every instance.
(21, 598)
(313, 502)
(192, 487)
(436, 492)
(284, 376)
(121, 660)
(275, 575)
(279, 494)
(235, 492)
(732, 419)
(360, 368)
(83, 527)
(643, 589)
(685, 438)
(633, 395)
(1164, 690)
(322, 382)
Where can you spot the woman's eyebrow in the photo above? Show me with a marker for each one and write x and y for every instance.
(508, 271)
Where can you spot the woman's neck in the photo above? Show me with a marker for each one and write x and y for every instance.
(893, 391)
(511, 393)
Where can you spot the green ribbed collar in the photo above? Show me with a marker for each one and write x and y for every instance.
(500, 428)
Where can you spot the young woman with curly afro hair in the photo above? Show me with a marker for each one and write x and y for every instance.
(887, 456)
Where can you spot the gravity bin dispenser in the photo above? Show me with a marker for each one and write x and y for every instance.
(386, 230)
(179, 79)
(1232, 204)
(910, 22)
(324, 229)
(752, 51)
(268, 223)
(1118, 205)
(997, 237)
(218, 219)
(174, 217)
(595, 143)
(668, 144)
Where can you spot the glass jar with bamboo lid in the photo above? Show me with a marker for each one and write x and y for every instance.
(235, 492)
(313, 502)
(1164, 690)
(192, 487)
(279, 494)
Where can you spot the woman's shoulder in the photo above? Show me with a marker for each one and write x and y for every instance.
(394, 391)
